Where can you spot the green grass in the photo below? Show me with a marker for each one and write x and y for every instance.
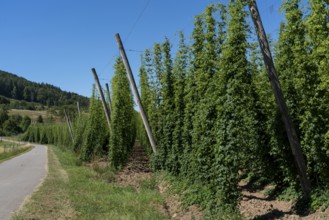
(73, 191)
(9, 150)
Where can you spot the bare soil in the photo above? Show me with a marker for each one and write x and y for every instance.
(173, 205)
(256, 205)
(138, 169)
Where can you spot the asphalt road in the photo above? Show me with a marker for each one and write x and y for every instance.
(19, 177)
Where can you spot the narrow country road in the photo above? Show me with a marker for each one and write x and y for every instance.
(19, 177)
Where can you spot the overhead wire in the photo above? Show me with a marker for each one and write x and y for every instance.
(270, 8)
(128, 35)
(137, 20)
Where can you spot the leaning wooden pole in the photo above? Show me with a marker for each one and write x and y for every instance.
(69, 126)
(271, 72)
(135, 91)
(108, 96)
(78, 107)
(106, 111)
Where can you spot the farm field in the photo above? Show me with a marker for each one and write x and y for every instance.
(229, 120)
(33, 114)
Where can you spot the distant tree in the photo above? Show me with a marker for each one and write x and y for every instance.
(25, 123)
(17, 118)
(3, 114)
(14, 94)
(10, 127)
(40, 119)
(4, 100)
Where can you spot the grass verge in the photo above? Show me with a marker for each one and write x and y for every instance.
(72, 191)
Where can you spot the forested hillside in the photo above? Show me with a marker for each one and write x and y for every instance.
(15, 87)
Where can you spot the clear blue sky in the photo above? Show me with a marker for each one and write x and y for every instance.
(59, 41)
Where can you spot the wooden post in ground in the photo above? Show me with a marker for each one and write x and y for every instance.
(271, 72)
(106, 111)
(108, 97)
(69, 126)
(135, 91)
(78, 106)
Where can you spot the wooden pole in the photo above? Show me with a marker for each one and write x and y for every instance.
(106, 111)
(69, 125)
(271, 72)
(135, 91)
(108, 97)
(78, 106)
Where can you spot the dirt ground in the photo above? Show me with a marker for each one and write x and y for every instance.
(138, 169)
(256, 205)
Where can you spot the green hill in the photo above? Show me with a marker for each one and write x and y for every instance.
(23, 90)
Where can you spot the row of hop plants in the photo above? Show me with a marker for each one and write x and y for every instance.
(92, 138)
(57, 134)
(212, 111)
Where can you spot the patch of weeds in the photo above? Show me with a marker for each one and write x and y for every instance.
(224, 216)
(282, 192)
(289, 194)
(260, 182)
(149, 184)
(269, 191)
(104, 172)
(108, 175)
(78, 162)
(98, 168)
(254, 182)
(319, 198)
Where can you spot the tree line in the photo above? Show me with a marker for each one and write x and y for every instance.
(18, 88)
